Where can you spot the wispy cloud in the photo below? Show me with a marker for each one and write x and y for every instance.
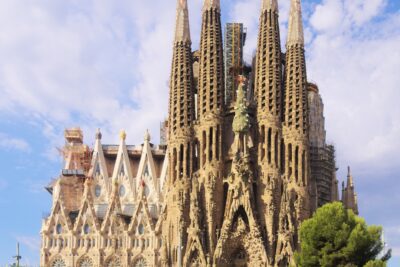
(12, 143)
(31, 242)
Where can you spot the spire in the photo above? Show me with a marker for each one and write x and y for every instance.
(268, 83)
(350, 182)
(296, 99)
(211, 77)
(269, 5)
(212, 4)
(182, 30)
(181, 100)
(349, 195)
(295, 32)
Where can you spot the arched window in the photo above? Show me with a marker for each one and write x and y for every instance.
(122, 191)
(86, 229)
(141, 229)
(58, 263)
(58, 229)
(97, 191)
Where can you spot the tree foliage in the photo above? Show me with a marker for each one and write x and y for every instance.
(336, 237)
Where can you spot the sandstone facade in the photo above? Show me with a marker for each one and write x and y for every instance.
(233, 182)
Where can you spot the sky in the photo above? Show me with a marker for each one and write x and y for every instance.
(106, 64)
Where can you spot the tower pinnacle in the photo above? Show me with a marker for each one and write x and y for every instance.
(270, 5)
(182, 30)
(209, 4)
(350, 181)
(295, 32)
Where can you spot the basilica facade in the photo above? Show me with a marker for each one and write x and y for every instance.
(234, 178)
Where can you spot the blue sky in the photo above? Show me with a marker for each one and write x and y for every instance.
(106, 64)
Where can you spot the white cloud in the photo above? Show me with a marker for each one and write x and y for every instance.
(11, 143)
(95, 64)
(327, 16)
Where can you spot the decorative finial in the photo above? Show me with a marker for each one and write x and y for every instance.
(122, 135)
(147, 136)
(98, 134)
(348, 171)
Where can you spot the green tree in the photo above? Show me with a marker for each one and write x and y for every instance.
(336, 237)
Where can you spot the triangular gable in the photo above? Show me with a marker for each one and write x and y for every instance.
(98, 167)
(87, 209)
(58, 214)
(142, 206)
(146, 163)
(113, 209)
(122, 164)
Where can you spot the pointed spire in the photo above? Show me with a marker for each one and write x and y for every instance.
(270, 5)
(295, 32)
(209, 4)
(182, 30)
(350, 182)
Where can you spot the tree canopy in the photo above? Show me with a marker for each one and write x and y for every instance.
(336, 237)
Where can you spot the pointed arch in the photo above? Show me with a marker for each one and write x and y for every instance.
(87, 215)
(142, 216)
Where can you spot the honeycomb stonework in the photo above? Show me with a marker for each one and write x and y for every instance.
(228, 186)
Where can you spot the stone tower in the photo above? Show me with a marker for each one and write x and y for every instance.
(180, 140)
(210, 124)
(296, 201)
(269, 92)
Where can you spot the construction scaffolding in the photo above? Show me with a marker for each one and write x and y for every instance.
(235, 38)
(76, 155)
(323, 171)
